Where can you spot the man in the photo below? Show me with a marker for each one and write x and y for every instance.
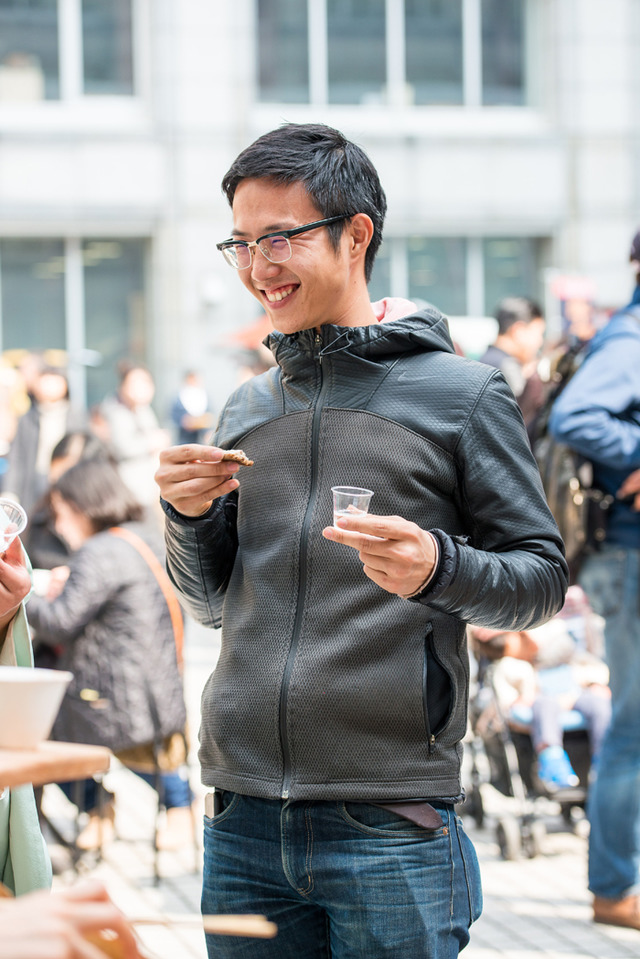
(331, 726)
(598, 414)
(521, 327)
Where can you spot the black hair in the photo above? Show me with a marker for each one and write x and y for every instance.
(336, 173)
(48, 369)
(515, 309)
(491, 649)
(81, 445)
(126, 366)
(94, 488)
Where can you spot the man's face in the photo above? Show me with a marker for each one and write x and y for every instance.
(317, 285)
(529, 338)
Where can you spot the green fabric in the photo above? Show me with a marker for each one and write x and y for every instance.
(24, 859)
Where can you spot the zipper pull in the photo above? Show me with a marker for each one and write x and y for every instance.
(318, 344)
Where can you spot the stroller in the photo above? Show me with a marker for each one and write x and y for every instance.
(501, 769)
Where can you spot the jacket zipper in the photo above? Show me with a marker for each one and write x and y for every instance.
(431, 739)
(302, 585)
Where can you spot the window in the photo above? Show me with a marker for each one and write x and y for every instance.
(107, 56)
(284, 61)
(29, 67)
(356, 70)
(61, 49)
(84, 297)
(433, 45)
(423, 52)
(502, 45)
(32, 301)
(462, 276)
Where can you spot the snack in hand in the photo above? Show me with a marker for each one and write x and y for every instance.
(238, 456)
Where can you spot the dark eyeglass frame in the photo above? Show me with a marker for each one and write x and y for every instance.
(251, 245)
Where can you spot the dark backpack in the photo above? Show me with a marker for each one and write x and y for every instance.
(579, 508)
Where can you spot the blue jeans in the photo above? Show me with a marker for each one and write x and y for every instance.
(340, 879)
(174, 790)
(611, 580)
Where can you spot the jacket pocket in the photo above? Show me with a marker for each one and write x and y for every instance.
(437, 689)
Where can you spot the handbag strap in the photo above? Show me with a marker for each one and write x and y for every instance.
(163, 582)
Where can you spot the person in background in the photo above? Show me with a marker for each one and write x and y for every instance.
(332, 726)
(66, 924)
(47, 549)
(190, 412)
(521, 328)
(539, 675)
(598, 415)
(115, 629)
(43, 543)
(50, 416)
(132, 431)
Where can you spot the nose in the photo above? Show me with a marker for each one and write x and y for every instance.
(260, 265)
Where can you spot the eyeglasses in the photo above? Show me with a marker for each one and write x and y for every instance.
(275, 247)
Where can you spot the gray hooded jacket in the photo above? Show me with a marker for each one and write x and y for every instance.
(328, 687)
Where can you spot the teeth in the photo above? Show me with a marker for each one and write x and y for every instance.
(275, 296)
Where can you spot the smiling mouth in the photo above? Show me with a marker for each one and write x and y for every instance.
(274, 296)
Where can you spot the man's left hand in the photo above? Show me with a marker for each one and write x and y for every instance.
(396, 554)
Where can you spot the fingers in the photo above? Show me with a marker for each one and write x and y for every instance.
(396, 554)
(191, 452)
(15, 581)
(630, 486)
(14, 554)
(88, 907)
(191, 477)
(69, 924)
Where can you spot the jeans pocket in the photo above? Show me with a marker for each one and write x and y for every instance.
(471, 869)
(603, 577)
(229, 802)
(375, 821)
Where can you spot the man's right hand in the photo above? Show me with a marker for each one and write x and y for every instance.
(191, 477)
(631, 489)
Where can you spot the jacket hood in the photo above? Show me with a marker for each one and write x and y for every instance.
(424, 329)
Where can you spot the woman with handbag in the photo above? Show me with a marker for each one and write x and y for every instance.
(117, 624)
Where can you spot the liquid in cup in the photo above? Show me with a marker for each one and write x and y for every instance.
(350, 499)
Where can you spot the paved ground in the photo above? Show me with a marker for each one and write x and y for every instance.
(534, 908)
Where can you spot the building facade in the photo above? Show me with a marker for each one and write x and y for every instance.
(506, 134)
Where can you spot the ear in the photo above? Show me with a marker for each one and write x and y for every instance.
(359, 231)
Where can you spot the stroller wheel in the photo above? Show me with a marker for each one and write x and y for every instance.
(508, 838)
(533, 839)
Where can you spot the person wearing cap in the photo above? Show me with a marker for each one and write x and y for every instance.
(598, 414)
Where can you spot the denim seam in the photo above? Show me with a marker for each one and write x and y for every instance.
(466, 872)
(309, 850)
(453, 867)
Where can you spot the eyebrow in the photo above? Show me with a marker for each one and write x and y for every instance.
(270, 229)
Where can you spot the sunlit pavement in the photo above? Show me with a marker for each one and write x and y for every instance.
(534, 908)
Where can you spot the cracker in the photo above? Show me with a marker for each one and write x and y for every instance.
(237, 456)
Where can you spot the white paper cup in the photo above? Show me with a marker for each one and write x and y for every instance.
(29, 703)
(350, 499)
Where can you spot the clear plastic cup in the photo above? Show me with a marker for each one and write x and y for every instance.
(13, 521)
(350, 499)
